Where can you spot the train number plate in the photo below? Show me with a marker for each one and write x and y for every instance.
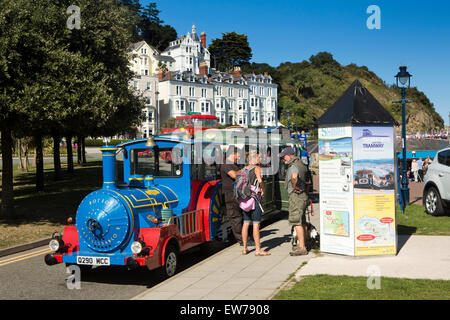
(93, 261)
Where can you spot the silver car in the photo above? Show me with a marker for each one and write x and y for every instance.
(436, 192)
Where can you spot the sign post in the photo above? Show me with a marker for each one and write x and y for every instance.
(357, 176)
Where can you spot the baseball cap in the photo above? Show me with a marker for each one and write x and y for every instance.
(287, 151)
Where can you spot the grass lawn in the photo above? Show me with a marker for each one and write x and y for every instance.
(416, 221)
(38, 215)
(326, 287)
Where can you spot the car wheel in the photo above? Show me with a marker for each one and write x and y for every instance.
(170, 261)
(433, 202)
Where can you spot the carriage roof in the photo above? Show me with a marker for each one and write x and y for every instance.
(218, 136)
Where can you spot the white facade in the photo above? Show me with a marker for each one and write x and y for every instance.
(231, 99)
(263, 100)
(182, 93)
(147, 87)
(190, 85)
(189, 52)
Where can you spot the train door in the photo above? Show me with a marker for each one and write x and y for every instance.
(268, 176)
(280, 193)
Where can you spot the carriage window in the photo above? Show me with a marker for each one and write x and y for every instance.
(163, 162)
(206, 160)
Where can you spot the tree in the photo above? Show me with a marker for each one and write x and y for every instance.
(152, 29)
(57, 81)
(134, 17)
(19, 57)
(230, 51)
(146, 24)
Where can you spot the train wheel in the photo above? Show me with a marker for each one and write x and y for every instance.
(170, 261)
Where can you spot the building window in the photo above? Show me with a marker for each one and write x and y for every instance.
(203, 93)
(149, 86)
(135, 84)
(149, 100)
(191, 91)
(178, 90)
(191, 106)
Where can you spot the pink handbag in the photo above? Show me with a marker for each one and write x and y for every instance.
(249, 204)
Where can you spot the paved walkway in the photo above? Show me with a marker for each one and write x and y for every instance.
(419, 257)
(229, 275)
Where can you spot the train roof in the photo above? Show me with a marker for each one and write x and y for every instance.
(217, 136)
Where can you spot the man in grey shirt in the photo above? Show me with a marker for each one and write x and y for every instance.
(295, 185)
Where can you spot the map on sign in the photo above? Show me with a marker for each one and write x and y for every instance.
(374, 231)
(336, 223)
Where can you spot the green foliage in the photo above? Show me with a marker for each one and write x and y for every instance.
(328, 287)
(230, 51)
(307, 89)
(147, 25)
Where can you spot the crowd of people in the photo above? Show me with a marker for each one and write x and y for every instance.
(419, 168)
(241, 219)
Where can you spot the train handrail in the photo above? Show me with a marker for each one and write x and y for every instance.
(188, 223)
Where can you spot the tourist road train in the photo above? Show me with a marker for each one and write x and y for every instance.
(150, 208)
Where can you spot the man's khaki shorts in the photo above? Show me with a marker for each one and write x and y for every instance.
(297, 208)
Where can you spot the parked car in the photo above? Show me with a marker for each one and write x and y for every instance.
(436, 192)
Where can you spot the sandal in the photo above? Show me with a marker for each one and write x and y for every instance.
(246, 252)
(262, 253)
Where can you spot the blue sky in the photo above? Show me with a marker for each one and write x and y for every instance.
(413, 33)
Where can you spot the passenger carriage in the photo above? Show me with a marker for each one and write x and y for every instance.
(149, 210)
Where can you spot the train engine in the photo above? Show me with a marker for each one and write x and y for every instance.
(145, 220)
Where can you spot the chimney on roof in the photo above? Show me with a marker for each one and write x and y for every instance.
(161, 76)
(203, 39)
(237, 72)
(203, 68)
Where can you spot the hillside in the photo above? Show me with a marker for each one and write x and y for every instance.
(307, 89)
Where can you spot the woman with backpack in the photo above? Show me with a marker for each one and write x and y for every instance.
(256, 183)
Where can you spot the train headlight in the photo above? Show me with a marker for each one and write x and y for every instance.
(136, 247)
(54, 244)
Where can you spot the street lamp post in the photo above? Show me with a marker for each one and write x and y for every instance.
(403, 81)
